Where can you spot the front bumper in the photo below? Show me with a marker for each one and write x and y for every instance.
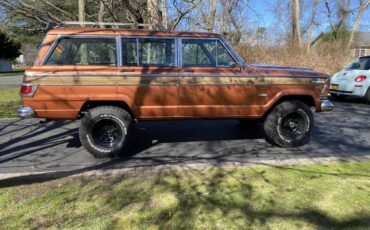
(25, 112)
(326, 106)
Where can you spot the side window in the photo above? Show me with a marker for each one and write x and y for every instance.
(357, 53)
(223, 57)
(362, 52)
(156, 52)
(129, 52)
(84, 51)
(198, 52)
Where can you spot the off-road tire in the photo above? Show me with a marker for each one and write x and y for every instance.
(101, 125)
(278, 126)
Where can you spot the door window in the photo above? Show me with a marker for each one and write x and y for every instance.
(198, 52)
(129, 52)
(156, 52)
(84, 51)
(206, 53)
(223, 56)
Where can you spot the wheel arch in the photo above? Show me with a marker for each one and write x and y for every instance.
(306, 99)
(96, 103)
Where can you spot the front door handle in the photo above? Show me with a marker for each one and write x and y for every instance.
(126, 70)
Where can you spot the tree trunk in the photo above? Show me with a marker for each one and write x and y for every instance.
(312, 23)
(329, 14)
(81, 18)
(164, 14)
(296, 25)
(81, 11)
(101, 13)
(363, 7)
(212, 15)
(153, 10)
(344, 10)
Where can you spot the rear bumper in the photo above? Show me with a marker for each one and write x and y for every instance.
(25, 112)
(341, 92)
(354, 89)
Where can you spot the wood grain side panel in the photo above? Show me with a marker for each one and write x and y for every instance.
(72, 80)
(65, 102)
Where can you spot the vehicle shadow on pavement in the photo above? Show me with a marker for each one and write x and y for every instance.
(54, 150)
(30, 146)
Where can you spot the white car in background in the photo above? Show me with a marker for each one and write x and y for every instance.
(354, 80)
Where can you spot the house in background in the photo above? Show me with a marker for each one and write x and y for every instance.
(361, 45)
(5, 65)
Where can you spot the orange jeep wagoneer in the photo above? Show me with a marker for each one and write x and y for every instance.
(110, 78)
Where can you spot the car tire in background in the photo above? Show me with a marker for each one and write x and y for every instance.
(106, 131)
(367, 95)
(289, 124)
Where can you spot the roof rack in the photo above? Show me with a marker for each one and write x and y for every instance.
(51, 25)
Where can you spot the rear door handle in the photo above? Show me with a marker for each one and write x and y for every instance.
(187, 71)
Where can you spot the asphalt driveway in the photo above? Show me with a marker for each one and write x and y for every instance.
(27, 146)
(9, 81)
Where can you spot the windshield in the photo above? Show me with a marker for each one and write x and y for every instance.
(360, 64)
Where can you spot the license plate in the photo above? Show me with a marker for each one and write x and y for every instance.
(333, 87)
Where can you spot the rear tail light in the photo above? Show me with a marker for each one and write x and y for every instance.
(360, 78)
(28, 90)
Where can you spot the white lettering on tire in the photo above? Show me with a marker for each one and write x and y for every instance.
(110, 116)
(307, 120)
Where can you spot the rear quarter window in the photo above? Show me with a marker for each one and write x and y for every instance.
(84, 51)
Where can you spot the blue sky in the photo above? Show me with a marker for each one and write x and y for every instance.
(261, 14)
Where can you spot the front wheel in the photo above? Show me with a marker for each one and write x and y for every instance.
(289, 124)
(105, 131)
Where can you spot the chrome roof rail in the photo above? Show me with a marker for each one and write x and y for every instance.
(51, 25)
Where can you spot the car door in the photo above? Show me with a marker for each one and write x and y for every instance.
(148, 76)
(210, 83)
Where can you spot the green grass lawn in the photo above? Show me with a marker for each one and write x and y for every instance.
(16, 71)
(10, 100)
(329, 196)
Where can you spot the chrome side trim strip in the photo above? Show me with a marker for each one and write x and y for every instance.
(163, 75)
(181, 85)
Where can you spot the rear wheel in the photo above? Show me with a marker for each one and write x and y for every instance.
(289, 124)
(106, 131)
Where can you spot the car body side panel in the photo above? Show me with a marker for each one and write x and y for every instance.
(62, 91)
(153, 91)
(211, 91)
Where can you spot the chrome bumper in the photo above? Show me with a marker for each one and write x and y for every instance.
(327, 106)
(25, 112)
